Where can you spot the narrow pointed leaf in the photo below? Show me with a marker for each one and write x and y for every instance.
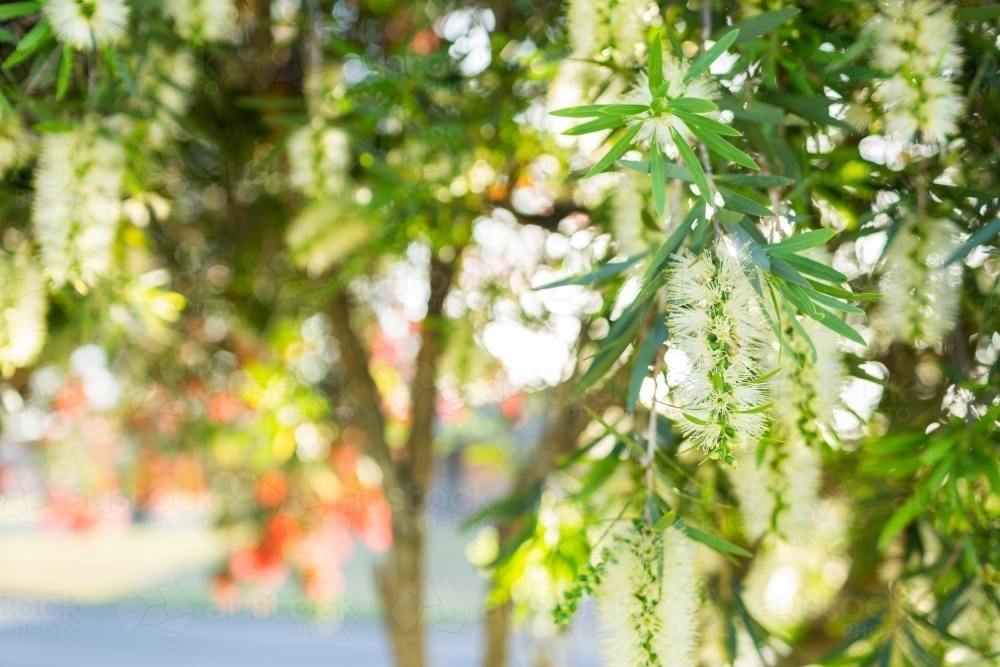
(616, 151)
(585, 111)
(65, 69)
(34, 40)
(837, 325)
(644, 359)
(13, 10)
(799, 242)
(691, 105)
(655, 65)
(983, 235)
(743, 204)
(597, 125)
(811, 267)
(723, 148)
(706, 59)
(602, 272)
(707, 123)
(657, 177)
(693, 165)
(623, 109)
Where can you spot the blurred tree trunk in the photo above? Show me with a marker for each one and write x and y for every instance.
(406, 481)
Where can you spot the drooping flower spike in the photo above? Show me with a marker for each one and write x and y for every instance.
(716, 319)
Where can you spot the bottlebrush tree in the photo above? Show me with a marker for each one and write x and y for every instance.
(772, 224)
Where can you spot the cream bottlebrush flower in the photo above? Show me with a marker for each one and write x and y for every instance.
(920, 36)
(920, 301)
(200, 21)
(717, 321)
(781, 494)
(930, 108)
(791, 583)
(656, 126)
(22, 311)
(16, 144)
(318, 160)
(324, 87)
(84, 24)
(916, 45)
(77, 204)
(805, 394)
(647, 601)
(164, 81)
(610, 28)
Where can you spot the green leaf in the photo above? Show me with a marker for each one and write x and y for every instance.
(624, 109)
(690, 105)
(694, 420)
(706, 59)
(982, 235)
(644, 359)
(585, 111)
(914, 505)
(693, 165)
(743, 204)
(655, 63)
(616, 151)
(837, 325)
(707, 124)
(830, 302)
(815, 109)
(711, 541)
(602, 123)
(620, 337)
(723, 148)
(784, 271)
(977, 13)
(799, 242)
(52, 127)
(36, 38)
(761, 24)
(670, 170)
(833, 291)
(657, 178)
(753, 111)
(602, 272)
(673, 243)
(729, 218)
(797, 296)
(666, 521)
(811, 267)
(65, 69)
(755, 180)
(13, 10)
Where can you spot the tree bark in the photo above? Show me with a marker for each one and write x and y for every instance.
(400, 575)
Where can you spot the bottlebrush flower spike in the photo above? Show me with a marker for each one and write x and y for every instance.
(318, 161)
(23, 306)
(916, 44)
(611, 28)
(781, 494)
(85, 24)
(77, 204)
(717, 321)
(647, 601)
(921, 295)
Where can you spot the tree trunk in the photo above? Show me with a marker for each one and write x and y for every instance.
(400, 576)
